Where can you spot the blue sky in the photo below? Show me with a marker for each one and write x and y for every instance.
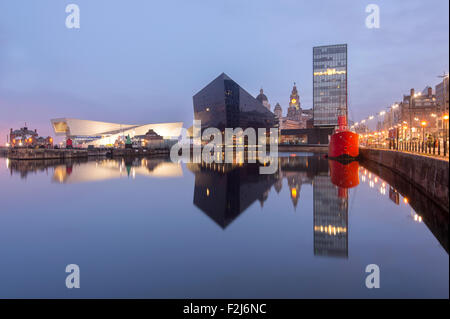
(142, 61)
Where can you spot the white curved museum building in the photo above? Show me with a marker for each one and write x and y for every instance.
(97, 133)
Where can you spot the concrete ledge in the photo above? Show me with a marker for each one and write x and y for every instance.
(428, 174)
(33, 154)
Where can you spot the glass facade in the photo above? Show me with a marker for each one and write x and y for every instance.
(329, 83)
(224, 104)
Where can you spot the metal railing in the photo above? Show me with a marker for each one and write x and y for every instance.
(436, 148)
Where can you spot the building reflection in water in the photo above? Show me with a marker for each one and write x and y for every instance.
(80, 171)
(331, 208)
(224, 191)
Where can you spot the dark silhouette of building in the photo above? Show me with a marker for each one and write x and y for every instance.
(224, 104)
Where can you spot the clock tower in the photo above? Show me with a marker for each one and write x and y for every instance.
(294, 110)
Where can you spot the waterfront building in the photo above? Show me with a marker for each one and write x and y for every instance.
(296, 117)
(329, 83)
(442, 93)
(224, 104)
(442, 101)
(393, 116)
(85, 132)
(263, 99)
(294, 110)
(278, 111)
(25, 137)
(418, 108)
(149, 139)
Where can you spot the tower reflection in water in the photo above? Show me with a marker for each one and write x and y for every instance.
(331, 208)
(224, 191)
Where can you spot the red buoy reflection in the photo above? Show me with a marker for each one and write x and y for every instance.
(344, 175)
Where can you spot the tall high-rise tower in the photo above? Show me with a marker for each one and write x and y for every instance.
(329, 83)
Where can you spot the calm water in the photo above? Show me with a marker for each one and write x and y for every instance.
(149, 228)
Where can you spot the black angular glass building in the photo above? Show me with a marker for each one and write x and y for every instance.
(224, 104)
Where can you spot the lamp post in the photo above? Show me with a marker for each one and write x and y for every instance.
(445, 122)
(423, 124)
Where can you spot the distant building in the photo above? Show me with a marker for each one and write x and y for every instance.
(418, 107)
(263, 99)
(294, 110)
(149, 139)
(224, 104)
(393, 116)
(442, 93)
(295, 118)
(329, 83)
(25, 137)
(278, 111)
(361, 128)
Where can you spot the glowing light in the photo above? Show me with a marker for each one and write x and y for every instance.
(294, 192)
(371, 117)
(382, 112)
(394, 106)
(405, 200)
(294, 101)
(329, 72)
(445, 117)
(207, 192)
(423, 123)
(331, 230)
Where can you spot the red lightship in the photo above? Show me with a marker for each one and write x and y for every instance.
(344, 144)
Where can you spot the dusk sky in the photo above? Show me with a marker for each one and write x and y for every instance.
(142, 61)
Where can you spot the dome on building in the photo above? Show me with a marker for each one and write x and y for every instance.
(262, 97)
(277, 106)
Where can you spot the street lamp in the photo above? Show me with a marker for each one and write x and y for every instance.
(445, 122)
(423, 124)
